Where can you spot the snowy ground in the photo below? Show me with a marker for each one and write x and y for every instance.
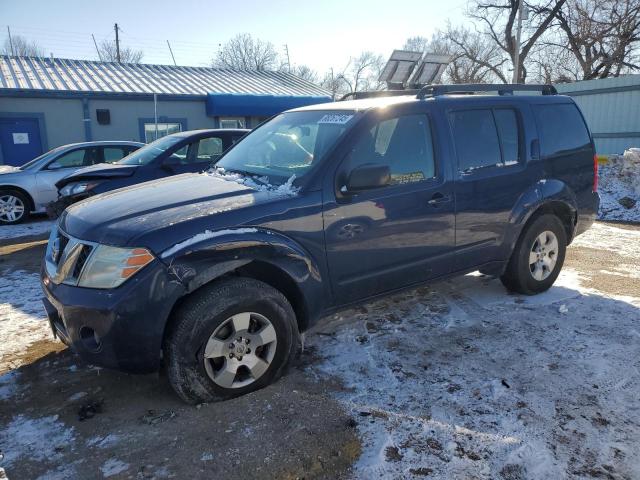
(36, 226)
(465, 381)
(454, 380)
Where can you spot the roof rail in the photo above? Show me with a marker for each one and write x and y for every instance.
(471, 88)
(378, 93)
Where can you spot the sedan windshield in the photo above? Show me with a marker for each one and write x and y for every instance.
(150, 152)
(289, 144)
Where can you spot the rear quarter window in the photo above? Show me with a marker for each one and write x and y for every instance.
(561, 129)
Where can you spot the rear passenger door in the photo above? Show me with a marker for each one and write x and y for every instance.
(491, 175)
(393, 236)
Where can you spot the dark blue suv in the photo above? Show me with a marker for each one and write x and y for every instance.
(214, 275)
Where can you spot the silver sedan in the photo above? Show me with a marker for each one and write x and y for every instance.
(29, 188)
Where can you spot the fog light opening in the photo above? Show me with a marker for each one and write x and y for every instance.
(90, 339)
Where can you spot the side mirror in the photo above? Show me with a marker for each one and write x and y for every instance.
(368, 176)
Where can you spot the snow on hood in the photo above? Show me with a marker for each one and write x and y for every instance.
(260, 184)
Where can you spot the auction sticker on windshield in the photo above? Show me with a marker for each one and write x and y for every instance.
(336, 118)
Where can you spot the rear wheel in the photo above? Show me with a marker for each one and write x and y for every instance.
(228, 339)
(14, 207)
(538, 256)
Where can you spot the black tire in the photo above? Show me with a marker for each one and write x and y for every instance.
(26, 203)
(202, 313)
(518, 275)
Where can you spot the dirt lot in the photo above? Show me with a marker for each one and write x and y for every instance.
(454, 380)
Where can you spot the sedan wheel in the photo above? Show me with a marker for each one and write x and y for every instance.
(240, 350)
(12, 208)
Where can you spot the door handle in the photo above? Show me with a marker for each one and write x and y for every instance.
(438, 198)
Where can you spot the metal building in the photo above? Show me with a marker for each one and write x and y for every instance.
(47, 102)
(612, 109)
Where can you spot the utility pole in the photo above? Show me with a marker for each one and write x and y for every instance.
(286, 49)
(117, 43)
(171, 52)
(13, 52)
(96, 45)
(516, 53)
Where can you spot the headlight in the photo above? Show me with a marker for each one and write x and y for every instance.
(109, 267)
(77, 187)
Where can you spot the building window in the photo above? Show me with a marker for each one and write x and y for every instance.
(163, 130)
(232, 122)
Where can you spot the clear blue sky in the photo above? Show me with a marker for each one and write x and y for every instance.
(321, 34)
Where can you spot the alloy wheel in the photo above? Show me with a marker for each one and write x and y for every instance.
(240, 350)
(543, 255)
(11, 208)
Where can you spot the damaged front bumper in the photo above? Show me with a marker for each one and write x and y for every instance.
(120, 328)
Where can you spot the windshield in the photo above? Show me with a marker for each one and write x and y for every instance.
(150, 152)
(289, 144)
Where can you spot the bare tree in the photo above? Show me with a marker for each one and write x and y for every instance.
(602, 36)
(305, 72)
(108, 53)
(22, 47)
(362, 73)
(497, 19)
(416, 44)
(243, 52)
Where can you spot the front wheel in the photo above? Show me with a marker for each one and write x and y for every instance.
(230, 338)
(538, 256)
(14, 207)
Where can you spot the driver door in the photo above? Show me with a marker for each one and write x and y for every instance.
(393, 236)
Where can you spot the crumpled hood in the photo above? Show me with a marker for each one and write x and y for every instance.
(161, 213)
(101, 170)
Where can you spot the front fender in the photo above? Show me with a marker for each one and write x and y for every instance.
(212, 254)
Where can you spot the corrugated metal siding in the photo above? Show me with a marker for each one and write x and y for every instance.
(58, 74)
(612, 109)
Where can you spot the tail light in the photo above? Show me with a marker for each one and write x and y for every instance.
(595, 173)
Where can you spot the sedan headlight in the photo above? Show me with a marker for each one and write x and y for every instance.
(109, 267)
(77, 187)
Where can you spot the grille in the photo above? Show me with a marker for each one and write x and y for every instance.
(82, 259)
(63, 240)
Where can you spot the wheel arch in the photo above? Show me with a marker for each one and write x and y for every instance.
(16, 188)
(267, 256)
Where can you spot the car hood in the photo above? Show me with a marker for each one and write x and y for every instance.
(101, 170)
(161, 213)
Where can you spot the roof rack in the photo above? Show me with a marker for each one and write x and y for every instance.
(471, 88)
(378, 93)
(453, 89)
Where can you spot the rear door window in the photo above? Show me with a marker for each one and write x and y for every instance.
(209, 149)
(507, 122)
(561, 129)
(113, 154)
(476, 139)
